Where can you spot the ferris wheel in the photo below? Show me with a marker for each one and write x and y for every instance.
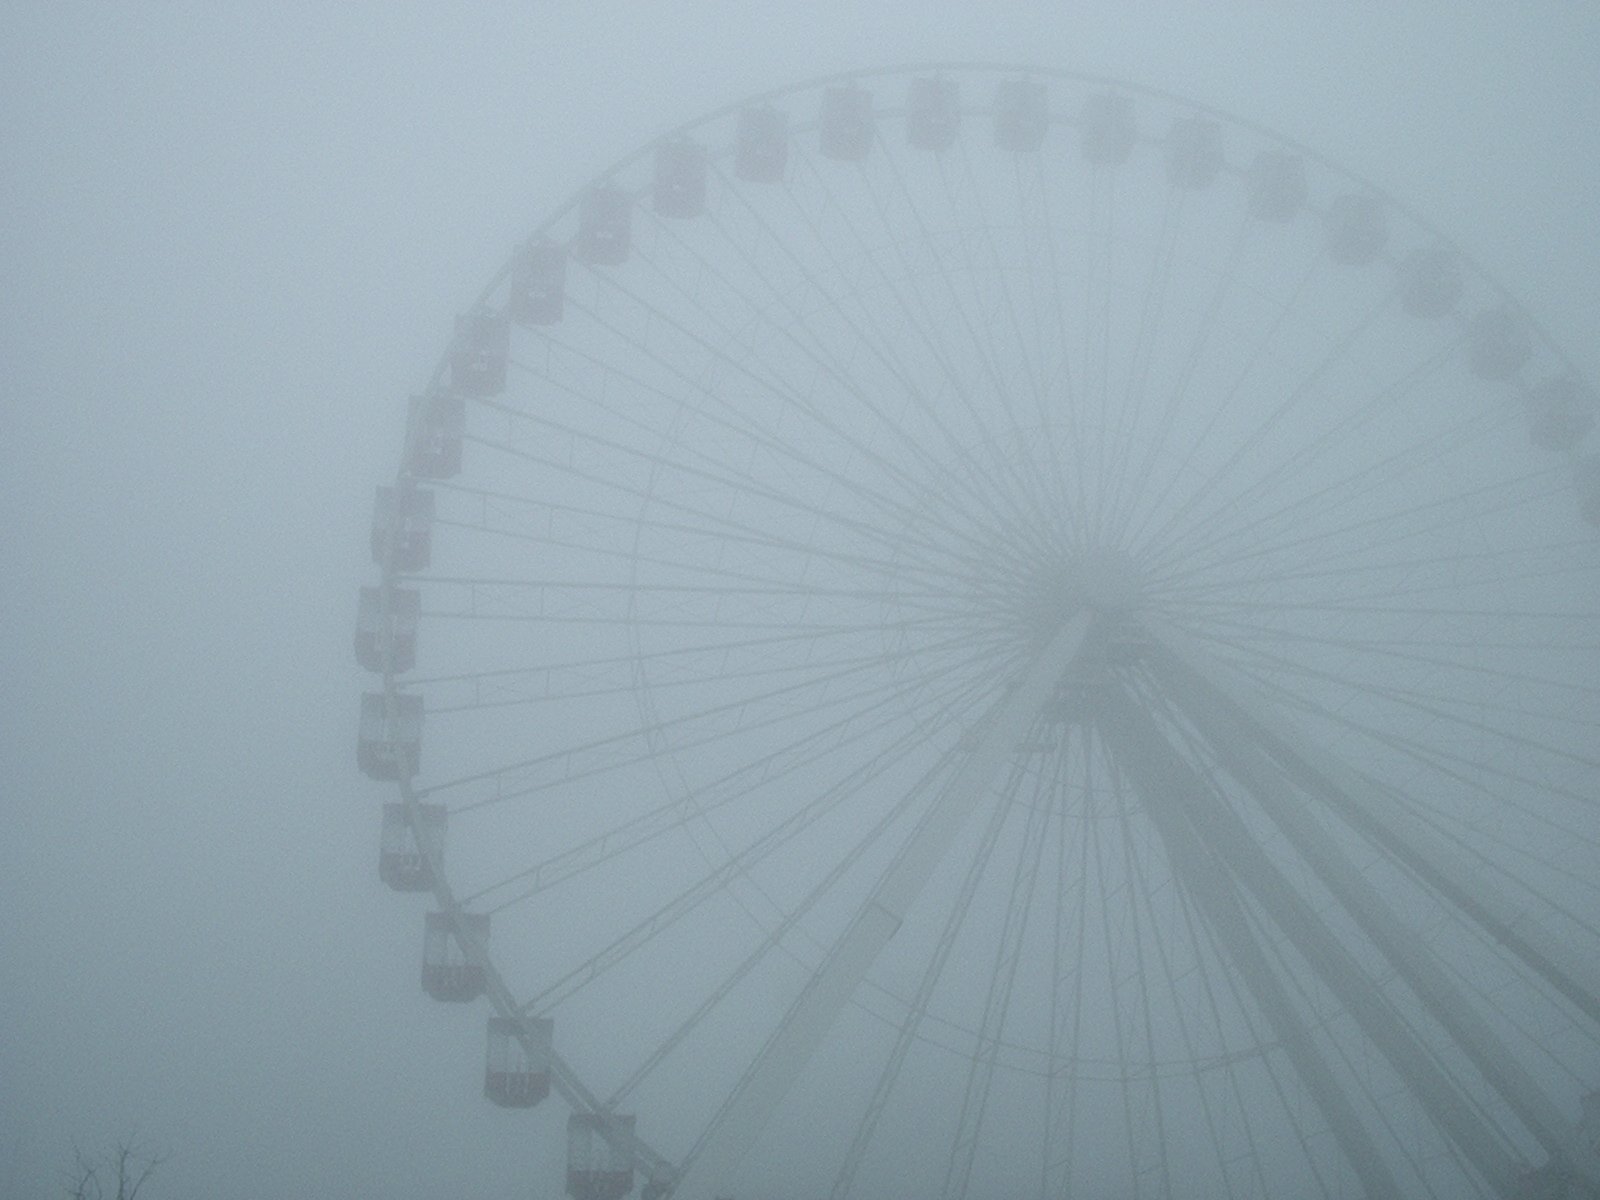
(990, 632)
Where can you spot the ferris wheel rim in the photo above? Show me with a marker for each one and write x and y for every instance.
(570, 202)
(580, 1097)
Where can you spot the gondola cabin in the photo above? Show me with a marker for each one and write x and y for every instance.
(599, 1165)
(386, 636)
(538, 290)
(846, 126)
(761, 152)
(678, 189)
(402, 527)
(449, 972)
(439, 421)
(1021, 115)
(406, 856)
(933, 113)
(605, 226)
(516, 1070)
(478, 354)
(389, 742)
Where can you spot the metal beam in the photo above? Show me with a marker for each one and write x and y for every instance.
(996, 1006)
(867, 1126)
(1362, 801)
(1225, 835)
(750, 1105)
(1168, 786)
(1228, 729)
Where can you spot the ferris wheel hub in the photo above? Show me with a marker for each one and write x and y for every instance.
(1106, 580)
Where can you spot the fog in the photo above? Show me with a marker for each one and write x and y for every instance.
(235, 241)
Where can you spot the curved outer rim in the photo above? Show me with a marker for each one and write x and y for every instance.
(656, 1166)
(1410, 212)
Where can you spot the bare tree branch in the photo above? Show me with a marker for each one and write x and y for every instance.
(128, 1166)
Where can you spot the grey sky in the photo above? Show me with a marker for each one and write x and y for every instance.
(233, 239)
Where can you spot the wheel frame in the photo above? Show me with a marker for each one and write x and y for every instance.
(661, 1171)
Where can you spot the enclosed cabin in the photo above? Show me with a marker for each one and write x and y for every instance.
(933, 113)
(1275, 185)
(761, 145)
(516, 1071)
(1194, 153)
(605, 226)
(438, 423)
(678, 187)
(1430, 283)
(386, 632)
(479, 353)
(389, 743)
(1560, 413)
(1021, 115)
(1499, 343)
(846, 126)
(449, 971)
(1587, 478)
(1107, 133)
(1357, 229)
(402, 527)
(599, 1156)
(406, 854)
(538, 291)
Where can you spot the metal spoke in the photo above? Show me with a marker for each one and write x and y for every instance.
(1005, 602)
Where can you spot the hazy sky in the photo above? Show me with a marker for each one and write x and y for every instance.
(233, 239)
